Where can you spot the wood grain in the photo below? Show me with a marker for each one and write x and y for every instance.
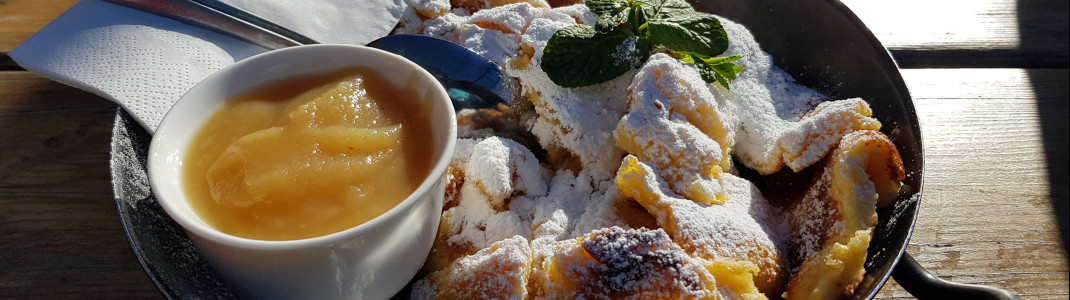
(920, 33)
(19, 19)
(987, 215)
(970, 33)
(58, 223)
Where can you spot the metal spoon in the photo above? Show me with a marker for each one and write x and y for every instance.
(471, 80)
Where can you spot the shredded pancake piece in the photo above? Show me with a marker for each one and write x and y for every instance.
(832, 221)
(501, 179)
(614, 263)
(776, 122)
(739, 238)
(674, 123)
(500, 271)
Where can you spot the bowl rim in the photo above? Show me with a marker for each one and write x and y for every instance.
(176, 206)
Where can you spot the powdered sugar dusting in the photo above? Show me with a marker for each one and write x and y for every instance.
(744, 228)
(774, 123)
(579, 12)
(463, 152)
(811, 218)
(626, 54)
(556, 214)
(497, 169)
(762, 80)
(672, 123)
(574, 124)
(811, 138)
(497, 272)
(504, 168)
(615, 263)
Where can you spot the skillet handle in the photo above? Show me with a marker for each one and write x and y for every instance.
(924, 285)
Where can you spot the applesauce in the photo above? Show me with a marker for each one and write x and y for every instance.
(308, 157)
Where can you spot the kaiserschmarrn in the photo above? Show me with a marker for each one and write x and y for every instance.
(633, 190)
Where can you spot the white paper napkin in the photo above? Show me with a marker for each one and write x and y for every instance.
(146, 62)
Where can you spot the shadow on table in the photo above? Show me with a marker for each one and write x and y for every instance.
(1042, 24)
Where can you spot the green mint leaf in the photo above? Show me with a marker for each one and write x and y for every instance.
(694, 32)
(610, 13)
(626, 33)
(637, 20)
(643, 46)
(727, 71)
(716, 69)
(579, 55)
(668, 8)
(602, 8)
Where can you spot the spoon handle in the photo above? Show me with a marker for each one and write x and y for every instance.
(222, 18)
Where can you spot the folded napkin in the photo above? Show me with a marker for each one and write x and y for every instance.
(145, 62)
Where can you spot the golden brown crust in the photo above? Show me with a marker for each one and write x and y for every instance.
(738, 239)
(615, 263)
(808, 207)
(831, 219)
(500, 271)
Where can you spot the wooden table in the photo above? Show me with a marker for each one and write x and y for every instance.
(989, 79)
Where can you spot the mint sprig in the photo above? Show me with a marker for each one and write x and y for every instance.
(719, 69)
(627, 32)
(592, 57)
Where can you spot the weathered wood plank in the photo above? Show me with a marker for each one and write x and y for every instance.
(920, 33)
(19, 19)
(970, 33)
(988, 215)
(58, 222)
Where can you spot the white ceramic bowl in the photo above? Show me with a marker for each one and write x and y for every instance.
(373, 260)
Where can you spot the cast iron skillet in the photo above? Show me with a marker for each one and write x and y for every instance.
(826, 47)
(820, 42)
